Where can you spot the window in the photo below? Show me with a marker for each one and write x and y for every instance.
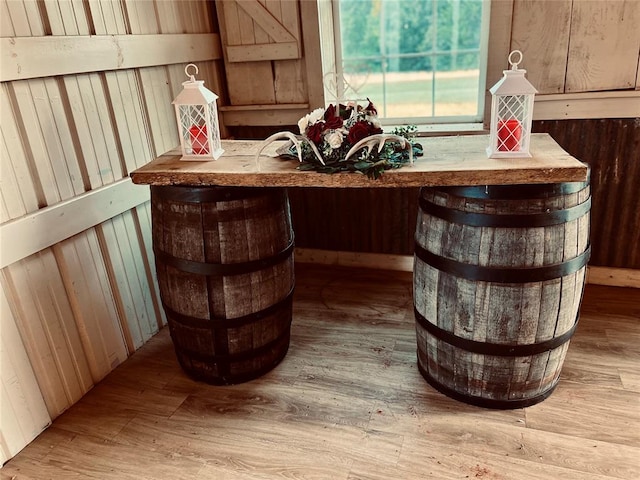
(419, 61)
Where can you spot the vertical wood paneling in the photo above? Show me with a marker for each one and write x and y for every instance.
(86, 281)
(91, 116)
(25, 18)
(143, 215)
(604, 45)
(249, 83)
(58, 174)
(44, 317)
(542, 26)
(126, 266)
(19, 194)
(108, 17)
(23, 413)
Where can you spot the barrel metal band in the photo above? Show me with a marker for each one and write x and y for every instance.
(503, 274)
(481, 401)
(194, 194)
(216, 322)
(223, 269)
(514, 192)
(520, 220)
(496, 349)
(225, 359)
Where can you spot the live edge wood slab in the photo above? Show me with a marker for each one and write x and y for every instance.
(455, 160)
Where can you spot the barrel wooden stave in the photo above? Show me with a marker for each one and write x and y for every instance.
(530, 312)
(248, 226)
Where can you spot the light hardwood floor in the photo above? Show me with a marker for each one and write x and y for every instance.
(348, 403)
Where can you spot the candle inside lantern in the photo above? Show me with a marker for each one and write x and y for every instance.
(509, 134)
(199, 141)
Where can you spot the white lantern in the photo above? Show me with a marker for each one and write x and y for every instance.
(197, 117)
(511, 113)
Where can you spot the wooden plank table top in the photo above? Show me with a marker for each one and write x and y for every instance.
(453, 160)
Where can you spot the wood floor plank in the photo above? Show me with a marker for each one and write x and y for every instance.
(348, 403)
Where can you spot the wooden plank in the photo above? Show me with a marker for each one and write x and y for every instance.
(447, 161)
(31, 57)
(24, 413)
(290, 80)
(84, 274)
(6, 26)
(142, 17)
(47, 326)
(142, 213)
(265, 19)
(92, 124)
(45, 157)
(108, 17)
(247, 83)
(615, 277)
(157, 96)
(263, 115)
(19, 193)
(312, 54)
(26, 18)
(257, 53)
(129, 117)
(598, 59)
(38, 230)
(122, 246)
(542, 26)
(615, 104)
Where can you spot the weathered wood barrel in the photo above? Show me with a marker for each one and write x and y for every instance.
(499, 273)
(224, 259)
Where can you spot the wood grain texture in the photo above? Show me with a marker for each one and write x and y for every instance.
(541, 26)
(348, 403)
(447, 161)
(225, 269)
(516, 312)
(598, 58)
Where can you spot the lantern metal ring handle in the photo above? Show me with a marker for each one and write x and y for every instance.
(513, 63)
(186, 71)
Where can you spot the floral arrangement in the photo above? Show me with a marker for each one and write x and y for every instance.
(341, 138)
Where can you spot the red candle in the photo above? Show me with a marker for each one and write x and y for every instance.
(509, 134)
(199, 141)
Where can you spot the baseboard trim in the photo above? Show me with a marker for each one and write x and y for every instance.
(615, 277)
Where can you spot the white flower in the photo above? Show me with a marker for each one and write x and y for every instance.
(373, 120)
(310, 119)
(334, 138)
(315, 116)
(302, 124)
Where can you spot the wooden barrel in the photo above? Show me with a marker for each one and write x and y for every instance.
(498, 281)
(224, 259)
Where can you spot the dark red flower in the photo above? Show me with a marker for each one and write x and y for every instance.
(333, 123)
(314, 132)
(358, 131)
(330, 112)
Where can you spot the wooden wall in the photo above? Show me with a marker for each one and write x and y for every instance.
(85, 98)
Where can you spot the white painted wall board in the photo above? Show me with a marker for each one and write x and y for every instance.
(44, 317)
(33, 57)
(23, 413)
(85, 278)
(32, 233)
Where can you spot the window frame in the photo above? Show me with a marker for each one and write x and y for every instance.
(331, 56)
